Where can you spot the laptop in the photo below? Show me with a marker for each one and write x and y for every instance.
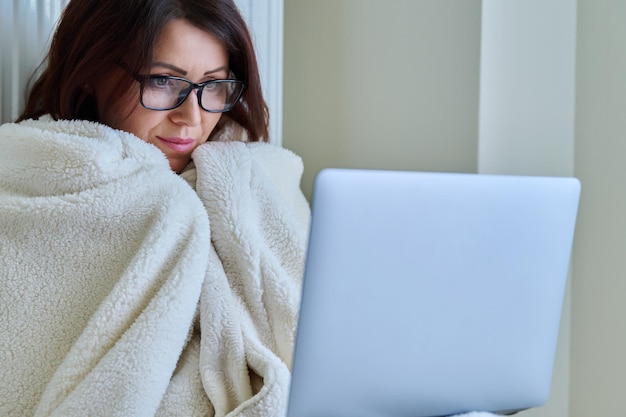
(431, 294)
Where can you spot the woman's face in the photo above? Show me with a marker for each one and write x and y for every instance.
(185, 51)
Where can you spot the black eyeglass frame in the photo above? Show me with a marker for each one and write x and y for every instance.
(187, 91)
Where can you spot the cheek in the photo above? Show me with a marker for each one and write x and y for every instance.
(210, 124)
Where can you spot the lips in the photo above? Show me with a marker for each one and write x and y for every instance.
(182, 145)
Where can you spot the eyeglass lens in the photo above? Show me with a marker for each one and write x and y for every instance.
(163, 93)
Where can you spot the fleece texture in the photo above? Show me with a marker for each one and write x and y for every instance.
(127, 290)
(127, 293)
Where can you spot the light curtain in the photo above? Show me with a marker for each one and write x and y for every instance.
(26, 27)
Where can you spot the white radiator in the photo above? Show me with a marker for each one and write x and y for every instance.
(26, 27)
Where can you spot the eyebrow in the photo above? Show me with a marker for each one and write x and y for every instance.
(182, 71)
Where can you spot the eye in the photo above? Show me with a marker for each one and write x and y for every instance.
(212, 86)
(159, 82)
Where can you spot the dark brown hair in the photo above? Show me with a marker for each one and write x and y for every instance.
(93, 36)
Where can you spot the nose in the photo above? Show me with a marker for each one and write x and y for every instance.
(189, 112)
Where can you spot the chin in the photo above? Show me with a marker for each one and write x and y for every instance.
(178, 165)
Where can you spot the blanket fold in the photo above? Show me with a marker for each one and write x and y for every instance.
(264, 278)
(107, 260)
(128, 290)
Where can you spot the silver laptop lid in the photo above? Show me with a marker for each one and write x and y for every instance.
(430, 294)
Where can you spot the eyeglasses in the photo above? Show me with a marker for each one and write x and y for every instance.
(165, 92)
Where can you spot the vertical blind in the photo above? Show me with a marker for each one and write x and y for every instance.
(26, 27)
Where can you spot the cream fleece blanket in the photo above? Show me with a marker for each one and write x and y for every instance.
(107, 257)
(124, 292)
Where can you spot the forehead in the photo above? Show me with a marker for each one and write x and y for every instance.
(182, 44)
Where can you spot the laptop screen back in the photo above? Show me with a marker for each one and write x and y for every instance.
(430, 294)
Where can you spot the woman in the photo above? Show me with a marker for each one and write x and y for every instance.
(127, 289)
(101, 48)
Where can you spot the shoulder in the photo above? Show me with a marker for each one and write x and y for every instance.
(47, 157)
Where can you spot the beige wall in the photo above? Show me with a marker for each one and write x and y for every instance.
(527, 117)
(382, 84)
(342, 109)
(599, 310)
